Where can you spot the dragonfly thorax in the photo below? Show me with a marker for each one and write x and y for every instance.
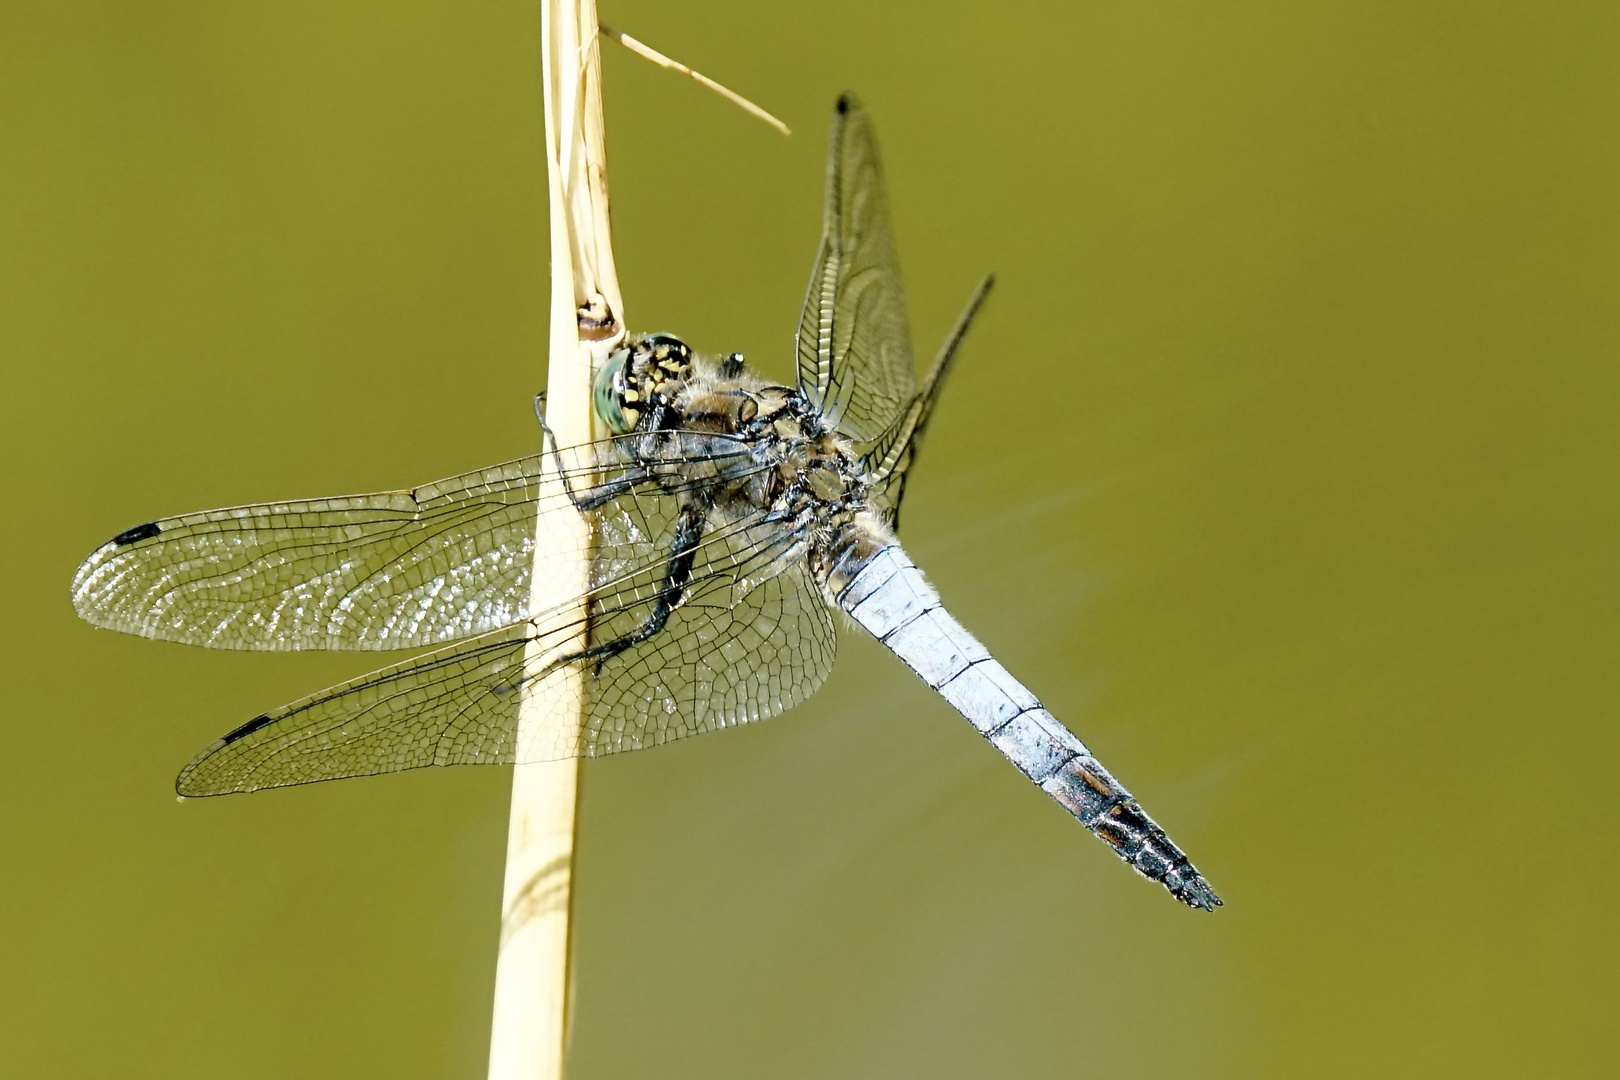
(799, 471)
(803, 469)
(657, 386)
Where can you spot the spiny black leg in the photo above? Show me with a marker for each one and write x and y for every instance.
(605, 493)
(597, 496)
(677, 574)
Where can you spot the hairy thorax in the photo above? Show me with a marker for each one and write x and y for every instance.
(810, 476)
(797, 472)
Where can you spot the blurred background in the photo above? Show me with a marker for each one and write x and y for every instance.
(1282, 465)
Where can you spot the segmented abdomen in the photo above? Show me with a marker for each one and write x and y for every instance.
(892, 601)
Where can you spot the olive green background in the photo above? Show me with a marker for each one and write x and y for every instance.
(1282, 466)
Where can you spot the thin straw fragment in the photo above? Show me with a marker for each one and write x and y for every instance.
(647, 52)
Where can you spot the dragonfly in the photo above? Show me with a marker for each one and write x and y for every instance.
(729, 518)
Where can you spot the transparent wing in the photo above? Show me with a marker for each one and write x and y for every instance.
(392, 570)
(854, 346)
(752, 638)
(890, 456)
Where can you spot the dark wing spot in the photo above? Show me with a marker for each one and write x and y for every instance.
(843, 103)
(246, 729)
(137, 534)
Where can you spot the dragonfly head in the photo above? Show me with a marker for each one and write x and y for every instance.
(637, 379)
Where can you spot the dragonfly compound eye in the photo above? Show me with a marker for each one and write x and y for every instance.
(616, 401)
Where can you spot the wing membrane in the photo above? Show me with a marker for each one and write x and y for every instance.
(399, 569)
(854, 346)
(453, 706)
(892, 453)
(752, 639)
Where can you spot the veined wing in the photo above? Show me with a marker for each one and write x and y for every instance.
(752, 638)
(391, 570)
(854, 346)
(890, 456)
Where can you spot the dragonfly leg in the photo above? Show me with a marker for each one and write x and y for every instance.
(603, 494)
(597, 496)
(677, 574)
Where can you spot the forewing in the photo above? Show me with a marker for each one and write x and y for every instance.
(752, 639)
(398, 569)
(854, 345)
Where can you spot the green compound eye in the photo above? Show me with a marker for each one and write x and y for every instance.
(607, 395)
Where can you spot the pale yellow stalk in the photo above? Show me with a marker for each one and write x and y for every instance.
(529, 1034)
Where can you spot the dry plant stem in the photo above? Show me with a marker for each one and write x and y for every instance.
(642, 49)
(528, 1039)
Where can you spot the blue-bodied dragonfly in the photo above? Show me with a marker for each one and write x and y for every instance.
(729, 517)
